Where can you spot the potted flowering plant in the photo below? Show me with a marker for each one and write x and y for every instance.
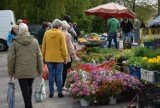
(83, 90)
(115, 87)
(111, 88)
(72, 77)
(152, 64)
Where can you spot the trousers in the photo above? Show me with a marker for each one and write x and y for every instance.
(26, 88)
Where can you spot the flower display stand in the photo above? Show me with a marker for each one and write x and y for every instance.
(112, 100)
(84, 102)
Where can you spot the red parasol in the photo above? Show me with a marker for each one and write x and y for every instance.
(111, 9)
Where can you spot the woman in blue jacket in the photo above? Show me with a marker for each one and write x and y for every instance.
(12, 33)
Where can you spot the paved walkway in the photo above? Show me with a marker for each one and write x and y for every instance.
(55, 102)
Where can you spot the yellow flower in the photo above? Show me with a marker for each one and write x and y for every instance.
(154, 58)
(157, 61)
(144, 58)
(150, 61)
(158, 57)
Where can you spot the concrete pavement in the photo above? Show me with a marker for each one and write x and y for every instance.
(55, 102)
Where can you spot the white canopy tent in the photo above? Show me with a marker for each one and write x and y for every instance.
(156, 21)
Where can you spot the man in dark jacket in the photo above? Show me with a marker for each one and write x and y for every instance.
(41, 32)
(127, 29)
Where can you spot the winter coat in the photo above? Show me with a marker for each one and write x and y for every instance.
(40, 35)
(70, 47)
(24, 58)
(54, 48)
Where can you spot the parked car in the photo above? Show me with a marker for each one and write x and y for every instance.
(34, 28)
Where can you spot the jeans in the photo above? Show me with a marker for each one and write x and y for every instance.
(26, 88)
(126, 36)
(114, 37)
(55, 70)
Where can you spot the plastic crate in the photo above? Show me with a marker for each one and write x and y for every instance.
(157, 77)
(149, 45)
(147, 75)
(135, 71)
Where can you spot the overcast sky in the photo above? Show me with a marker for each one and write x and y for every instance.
(150, 1)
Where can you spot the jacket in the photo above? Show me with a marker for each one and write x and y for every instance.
(40, 35)
(54, 47)
(113, 25)
(9, 38)
(70, 47)
(24, 57)
(127, 27)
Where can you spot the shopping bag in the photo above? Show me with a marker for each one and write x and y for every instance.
(45, 72)
(40, 91)
(11, 95)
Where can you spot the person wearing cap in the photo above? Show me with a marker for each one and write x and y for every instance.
(12, 33)
(41, 32)
(113, 26)
(25, 21)
(55, 54)
(71, 51)
(127, 29)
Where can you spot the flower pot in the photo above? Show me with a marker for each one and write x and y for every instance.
(112, 100)
(84, 102)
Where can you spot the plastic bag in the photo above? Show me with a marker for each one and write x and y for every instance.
(11, 95)
(40, 91)
(45, 72)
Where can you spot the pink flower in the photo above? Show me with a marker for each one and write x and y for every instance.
(81, 93)
(78, 84)
(70, 79)
(93, 92)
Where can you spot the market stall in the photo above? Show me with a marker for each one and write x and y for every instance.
(97, 80)
(92, 40)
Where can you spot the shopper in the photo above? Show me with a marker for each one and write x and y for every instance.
(19, 21)
(127, 29)
(25, 62)
(70, 48)
(113, 26)
(41, 32)
(54, 51)
(11, 34)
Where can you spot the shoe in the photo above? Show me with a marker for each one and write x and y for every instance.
(60, 95)
(50, 95)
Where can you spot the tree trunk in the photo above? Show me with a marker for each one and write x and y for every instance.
(158, 7)
(134, 2)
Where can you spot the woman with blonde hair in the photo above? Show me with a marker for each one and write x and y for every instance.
(12, 33)
(25, 62)
(70, 48)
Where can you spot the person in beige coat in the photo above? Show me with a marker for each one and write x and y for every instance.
(25, 62)
(71, 51)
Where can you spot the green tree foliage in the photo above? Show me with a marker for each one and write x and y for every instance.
(37, 11)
